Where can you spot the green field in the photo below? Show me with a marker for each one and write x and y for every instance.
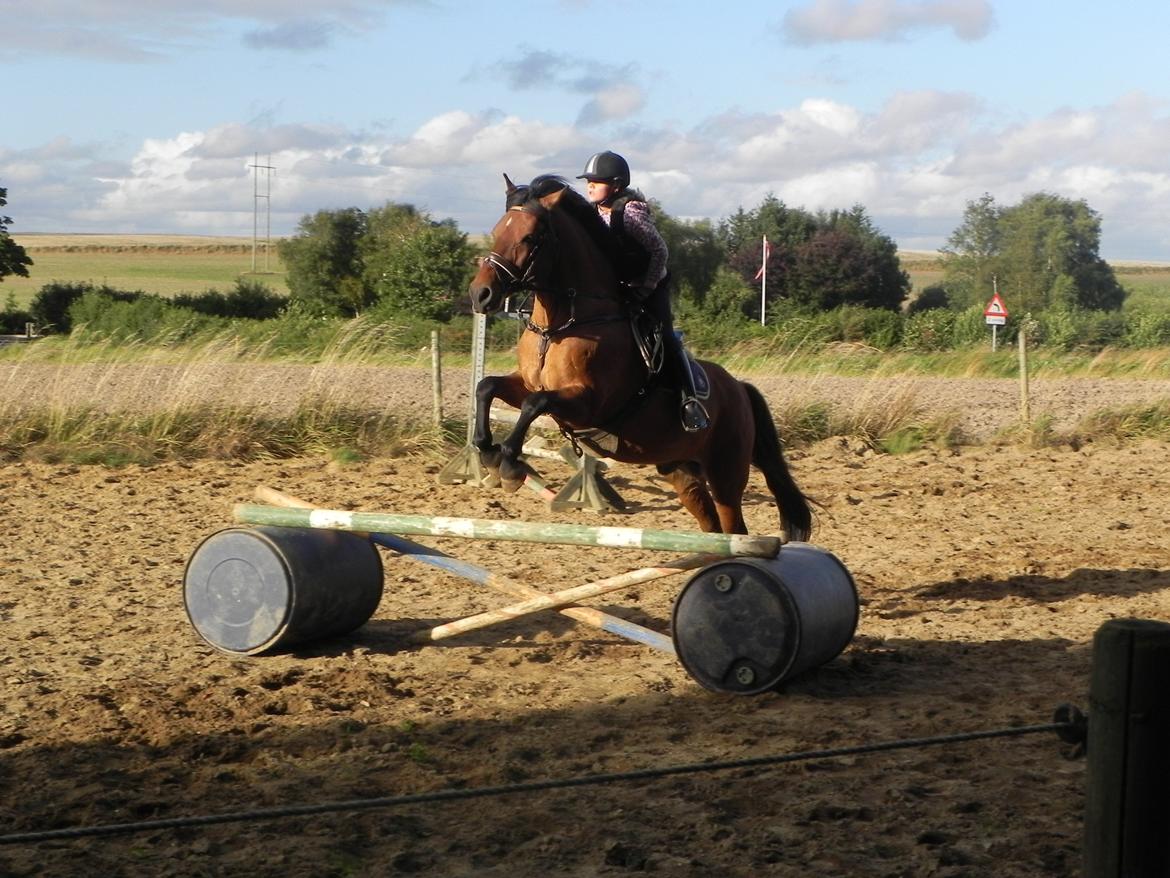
(162, 264)
(171, 264)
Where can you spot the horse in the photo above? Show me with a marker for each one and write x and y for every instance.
(579, 362)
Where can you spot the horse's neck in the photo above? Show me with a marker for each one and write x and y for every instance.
(584, 282)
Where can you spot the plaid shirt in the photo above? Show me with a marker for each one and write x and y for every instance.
(639, 225)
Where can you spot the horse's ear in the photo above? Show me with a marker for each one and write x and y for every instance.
(553, 198)
(511, 186)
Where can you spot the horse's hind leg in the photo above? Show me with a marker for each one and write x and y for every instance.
(691, 487)
(727, 480)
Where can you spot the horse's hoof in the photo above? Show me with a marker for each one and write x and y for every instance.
(489, 461)
(511, 485)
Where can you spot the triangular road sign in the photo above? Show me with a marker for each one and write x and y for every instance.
(995, 308)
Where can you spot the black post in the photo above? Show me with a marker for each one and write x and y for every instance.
(1127, 807)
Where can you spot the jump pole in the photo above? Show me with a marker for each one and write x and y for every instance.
(562, 598)
(489, 529)
(481, 576)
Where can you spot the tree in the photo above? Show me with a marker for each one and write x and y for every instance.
(786, 228)
(727, 300)
(861, 263)
(974, 253)
(415, 266)
(1042, 252)
(821, 260)
(324, 263)
(13, 259)
(695, 254)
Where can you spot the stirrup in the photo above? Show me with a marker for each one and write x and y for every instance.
(694, 416)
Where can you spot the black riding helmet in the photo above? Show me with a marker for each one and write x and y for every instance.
(607, 167)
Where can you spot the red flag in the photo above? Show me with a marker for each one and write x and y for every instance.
(764, 265)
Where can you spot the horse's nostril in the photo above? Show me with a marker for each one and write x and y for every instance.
(481, 296)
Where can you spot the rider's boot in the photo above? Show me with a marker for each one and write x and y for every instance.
(694, 415)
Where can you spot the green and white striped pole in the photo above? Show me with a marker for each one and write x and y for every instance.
(531, 532)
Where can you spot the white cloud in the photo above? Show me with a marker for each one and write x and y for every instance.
(612, 103)
(831, 21)
(913, 163)
(136, 31)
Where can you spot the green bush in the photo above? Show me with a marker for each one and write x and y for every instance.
(248, 300)
(929, 330)
(1146, 329)
(145, 318)
(13, 319)
(50, 306)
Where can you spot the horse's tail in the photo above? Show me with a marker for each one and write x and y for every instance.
(768, 457)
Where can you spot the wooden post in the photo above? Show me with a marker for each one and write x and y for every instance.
(558, 599)
(1127, 805)
(437, 377)
(1025, 408)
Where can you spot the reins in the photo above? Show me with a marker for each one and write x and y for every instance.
(523, 279)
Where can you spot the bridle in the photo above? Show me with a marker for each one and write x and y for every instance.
(522, 278)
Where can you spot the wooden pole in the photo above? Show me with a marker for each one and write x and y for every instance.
(481, 576)
(563, 598)
(1127, 805)
(1025, 407)
(521, 531)
(437, 378)
(764, 281)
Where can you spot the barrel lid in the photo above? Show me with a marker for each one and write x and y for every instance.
(237, 590)
(735, 627)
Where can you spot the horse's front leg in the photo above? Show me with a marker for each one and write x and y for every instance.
(512, 390)
(570, 405)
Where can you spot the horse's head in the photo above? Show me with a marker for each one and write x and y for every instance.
(523, 245)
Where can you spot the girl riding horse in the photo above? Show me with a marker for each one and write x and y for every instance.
(579, 363)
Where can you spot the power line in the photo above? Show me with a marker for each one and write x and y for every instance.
(256, 196)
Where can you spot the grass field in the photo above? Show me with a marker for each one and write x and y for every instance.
(163, 264)
(171, 264)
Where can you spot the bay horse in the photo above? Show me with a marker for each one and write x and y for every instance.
(579, 362)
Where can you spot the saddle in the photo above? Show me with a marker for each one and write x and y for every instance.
(648, 337)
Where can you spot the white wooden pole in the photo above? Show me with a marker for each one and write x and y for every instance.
(764, 281)
(1025, 405)
(436, 379)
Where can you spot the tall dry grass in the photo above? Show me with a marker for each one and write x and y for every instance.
(100, 402)
(887, 417)
(81, 400)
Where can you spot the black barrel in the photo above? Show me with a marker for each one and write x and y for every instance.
(254, 589)
(746, 624)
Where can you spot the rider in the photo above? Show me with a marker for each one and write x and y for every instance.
(626, 212)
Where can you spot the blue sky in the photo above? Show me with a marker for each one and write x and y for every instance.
(143, 116)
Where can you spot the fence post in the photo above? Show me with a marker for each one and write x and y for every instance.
(1127, 803)
(436, 378)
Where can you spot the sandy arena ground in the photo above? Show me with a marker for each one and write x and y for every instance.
(983, 573)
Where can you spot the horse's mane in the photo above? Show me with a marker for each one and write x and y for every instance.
(573, 204)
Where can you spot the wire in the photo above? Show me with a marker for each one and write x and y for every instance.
(454, 794)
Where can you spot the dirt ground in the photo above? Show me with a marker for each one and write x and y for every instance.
(983, 574)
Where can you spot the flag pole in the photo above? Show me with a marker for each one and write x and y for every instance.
(764, 281)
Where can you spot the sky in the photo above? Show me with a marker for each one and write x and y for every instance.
(147, 116)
